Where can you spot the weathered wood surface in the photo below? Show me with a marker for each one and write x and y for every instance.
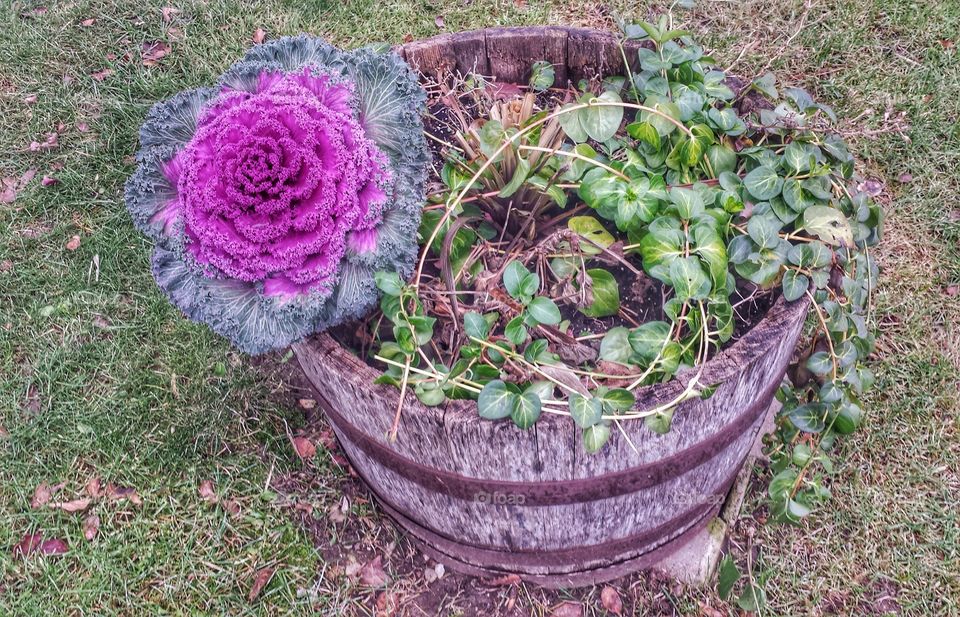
(507, 54)
(487, 497)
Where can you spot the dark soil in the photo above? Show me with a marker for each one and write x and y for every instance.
(641, 297)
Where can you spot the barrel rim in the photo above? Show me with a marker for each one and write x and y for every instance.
(729, 362)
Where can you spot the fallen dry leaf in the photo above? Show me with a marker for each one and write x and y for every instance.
(86, 23)
(76, 505)
(504, 581)
(35, 543)
(408, 38)
(43, 494)
(372, 574)
(49, 181)
(871, 187)
(304, 448)
(434, 572)
(83, 127)
(438, 20)
(207, 492)
(610, 599)
(151, 53)
(34, 12)
(4, 433)
(50, 141)
(388, 604)
(946, 43)
(91, 526)
(304, 506)
(73, 243)
(708, 611)
(168, 12)
(953, 290)
(327, 439)
(30, 100)
(118, 493)
(32, 405)
(338, 514)
(101, 75)
(93, 488)
(259, 36)
(259, 582)
(307, 403)
(567, 609)
(27, 176)
(232, 507)
(905, 178)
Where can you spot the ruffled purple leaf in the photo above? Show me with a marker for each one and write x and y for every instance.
(274, 199)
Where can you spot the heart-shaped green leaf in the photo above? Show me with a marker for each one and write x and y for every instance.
(475, 325)
(648, 339)
(763, 183)
(606, 294)
(585, 411)
(615, 346)
(526, 409)
(496, 401)
(828, 224)
(602, 121)
(690, 280)
(794, 285)
(594, 437)
(544, 310)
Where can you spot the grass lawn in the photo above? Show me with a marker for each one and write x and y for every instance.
(100, 378)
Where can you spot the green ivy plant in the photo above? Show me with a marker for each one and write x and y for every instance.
(664, 174)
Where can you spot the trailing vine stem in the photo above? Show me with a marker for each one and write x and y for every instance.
(826, 331)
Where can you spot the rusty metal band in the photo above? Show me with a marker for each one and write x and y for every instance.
(553, 492)
(611, 569)
(568, 565)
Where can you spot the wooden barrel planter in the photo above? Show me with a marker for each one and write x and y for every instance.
(488, 498)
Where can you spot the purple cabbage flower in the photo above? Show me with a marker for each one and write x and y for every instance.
(273, 199)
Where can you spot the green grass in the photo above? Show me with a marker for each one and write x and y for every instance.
(90, 350)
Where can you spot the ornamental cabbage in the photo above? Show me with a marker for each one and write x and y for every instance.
(274, 198)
